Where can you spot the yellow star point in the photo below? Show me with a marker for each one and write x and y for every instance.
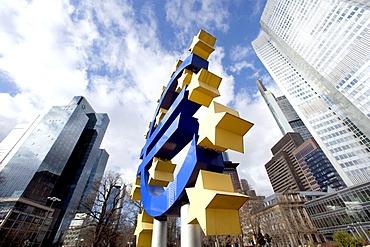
(202, 44)
(214, 204)
(135, 189)
(222, 128)
(144, 230)
(162, 112)
(176, 66)
(161, 172)
(184, 80)
(203, 87)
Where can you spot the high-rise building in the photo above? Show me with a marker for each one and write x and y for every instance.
(283, 112)
(318, 53)
(230, 169)
(42, 183)
(283, 169)
(14, 140)
(316, 167)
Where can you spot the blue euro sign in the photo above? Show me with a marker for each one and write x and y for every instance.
(167, 139)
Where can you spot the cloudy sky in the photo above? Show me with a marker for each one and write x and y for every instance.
(119, 54)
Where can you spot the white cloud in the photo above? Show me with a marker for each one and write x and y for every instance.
(237, 67)
(187, 16)
(110, 53)
(43, 53)
(258, 5)
(227, 84)
(239, 53)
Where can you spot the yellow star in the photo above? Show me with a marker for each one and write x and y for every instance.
(135, 189)
(144, 230)
(176, 66)
(202, 44)
(184, 79)
(221, 128)
(160, 116)
(161, 172)
(214, 205)
(163, 89)
(203, 87)
(147, 130)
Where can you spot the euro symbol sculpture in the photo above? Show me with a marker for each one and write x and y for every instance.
(213, 203)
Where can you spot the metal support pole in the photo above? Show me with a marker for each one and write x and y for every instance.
(364, 231)
(190, 233)
(159, 237)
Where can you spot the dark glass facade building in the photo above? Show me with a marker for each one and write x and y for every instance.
(283, 170)
(317, 166)
(293, 119)
(45, 180)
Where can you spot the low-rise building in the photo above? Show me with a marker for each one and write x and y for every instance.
(285, 219)
(344, 210)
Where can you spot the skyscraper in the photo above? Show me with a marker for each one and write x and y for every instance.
(44, 180)
(283, 112)
(230, 169)
(317, 169)
(318, 53)
(283, 169)
(14, 140)
(316, 166)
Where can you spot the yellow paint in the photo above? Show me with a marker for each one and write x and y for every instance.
(203, 87)
(147, 130)
(135, 189)
(163, 89)
(184, 79)
(221, 128)
(176, 66)
(144, 230)
(202, 44)
(214, 205)
(160, 116)
(161, 172)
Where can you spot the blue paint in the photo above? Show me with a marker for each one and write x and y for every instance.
(173, 133)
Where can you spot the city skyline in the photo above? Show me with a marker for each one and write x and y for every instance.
(118, 55)
(321, 69)
(47, 174)
(283, 112)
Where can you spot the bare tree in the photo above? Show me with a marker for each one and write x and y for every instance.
(130, 210)
(249, 220)
(103, 208)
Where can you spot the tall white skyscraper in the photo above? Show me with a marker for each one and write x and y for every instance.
(318, 52)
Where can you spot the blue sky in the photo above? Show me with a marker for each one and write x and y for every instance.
(119, 54)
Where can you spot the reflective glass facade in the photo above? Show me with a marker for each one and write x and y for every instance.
(317, 168)
(345, 210)
(318, 53)
(55, 161)
(283, 169)
(283, 112)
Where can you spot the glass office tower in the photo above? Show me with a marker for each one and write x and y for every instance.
(318, 52)
(43, 182)
(283, 112)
